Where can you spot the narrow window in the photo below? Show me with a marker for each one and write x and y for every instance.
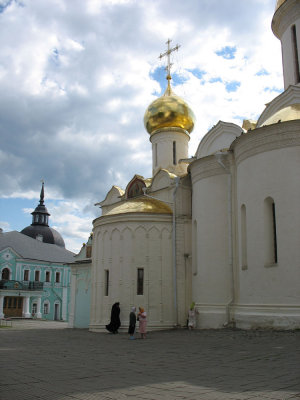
(244, 237)
(5, 274)
(106, 282)
(140, 281)
(195, 249)
(174, 153)
(296, 55)
(26, 275)
(47, 276)
(34, 308)
(270, 232)
(46, 308)
(37, 276)
(274, 233)
(57, 277)
(155, 154)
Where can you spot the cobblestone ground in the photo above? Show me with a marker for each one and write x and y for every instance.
(65, 364)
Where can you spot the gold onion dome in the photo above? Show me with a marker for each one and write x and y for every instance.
(289, 113)
(169, 111)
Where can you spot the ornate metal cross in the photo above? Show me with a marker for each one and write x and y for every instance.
(167, 54)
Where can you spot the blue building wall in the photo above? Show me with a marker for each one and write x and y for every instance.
(47, 285)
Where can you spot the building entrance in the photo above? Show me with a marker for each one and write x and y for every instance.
(13, 306)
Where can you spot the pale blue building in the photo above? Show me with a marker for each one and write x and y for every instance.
(34, 271)
(79, 315)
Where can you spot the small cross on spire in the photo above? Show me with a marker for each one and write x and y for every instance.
(167, 54)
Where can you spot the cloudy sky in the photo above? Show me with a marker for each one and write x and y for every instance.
(77, 76)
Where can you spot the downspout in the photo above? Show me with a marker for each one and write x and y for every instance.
(174, 250)
(219, 156)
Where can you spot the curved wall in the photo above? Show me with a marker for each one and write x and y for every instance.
(122, 244)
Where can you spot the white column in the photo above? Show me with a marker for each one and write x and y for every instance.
(1, 306)
(73, 289)
(38, 310)
(27, 313)
(64, 303)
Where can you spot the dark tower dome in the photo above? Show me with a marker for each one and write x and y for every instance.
(39, 229)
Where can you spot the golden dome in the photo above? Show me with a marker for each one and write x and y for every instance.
(288, 113)
(141, 204)
(169, 111)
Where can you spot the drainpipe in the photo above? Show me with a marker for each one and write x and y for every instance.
(174, 249)
(177, 179)
(219, 156)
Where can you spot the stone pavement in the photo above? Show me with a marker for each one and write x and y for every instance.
(65, 364)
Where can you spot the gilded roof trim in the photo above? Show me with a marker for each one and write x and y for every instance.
(140, 204)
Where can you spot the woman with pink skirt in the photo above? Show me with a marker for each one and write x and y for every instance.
(142, 318)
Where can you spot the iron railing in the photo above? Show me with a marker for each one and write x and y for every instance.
(21, 285)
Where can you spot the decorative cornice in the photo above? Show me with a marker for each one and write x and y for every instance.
(285, 16)
(267, 138)
(171, 130)
(131, 217)
(208, 166)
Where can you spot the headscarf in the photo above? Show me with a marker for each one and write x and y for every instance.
(192, 305)
(133, 309)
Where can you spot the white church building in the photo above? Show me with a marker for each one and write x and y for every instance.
(222, 228)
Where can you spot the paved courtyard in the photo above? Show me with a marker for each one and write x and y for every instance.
(65, 364)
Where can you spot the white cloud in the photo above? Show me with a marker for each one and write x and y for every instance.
(75, 83)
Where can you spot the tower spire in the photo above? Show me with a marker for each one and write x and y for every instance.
(42, 193)
(167, 54)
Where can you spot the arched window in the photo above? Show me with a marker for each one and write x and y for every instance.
(46, 307)
(57, 277)
(5, 274)
(135, 189)
(270, 232)
(244, 237)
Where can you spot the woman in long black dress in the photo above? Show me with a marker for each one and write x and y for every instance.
(115, 322)
(132, 322)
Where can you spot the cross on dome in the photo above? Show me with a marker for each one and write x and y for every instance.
(167, 54)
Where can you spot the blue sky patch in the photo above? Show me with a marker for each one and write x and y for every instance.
(160, 74)
(227, 52)
(178, 79)
(262, 72)
(197, 73)
(213, 80)
(272, 89)
(232, 86)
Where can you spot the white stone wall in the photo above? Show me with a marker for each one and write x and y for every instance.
(269, 290)
(162, 150)
(212, 272)
(288, 55)
(286, 16)
(121, 245)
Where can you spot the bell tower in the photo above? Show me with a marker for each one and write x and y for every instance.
(286, 27)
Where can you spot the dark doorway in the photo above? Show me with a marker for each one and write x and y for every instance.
(13, 306)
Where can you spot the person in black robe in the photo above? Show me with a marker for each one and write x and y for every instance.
(115, 322)
(132, 322)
